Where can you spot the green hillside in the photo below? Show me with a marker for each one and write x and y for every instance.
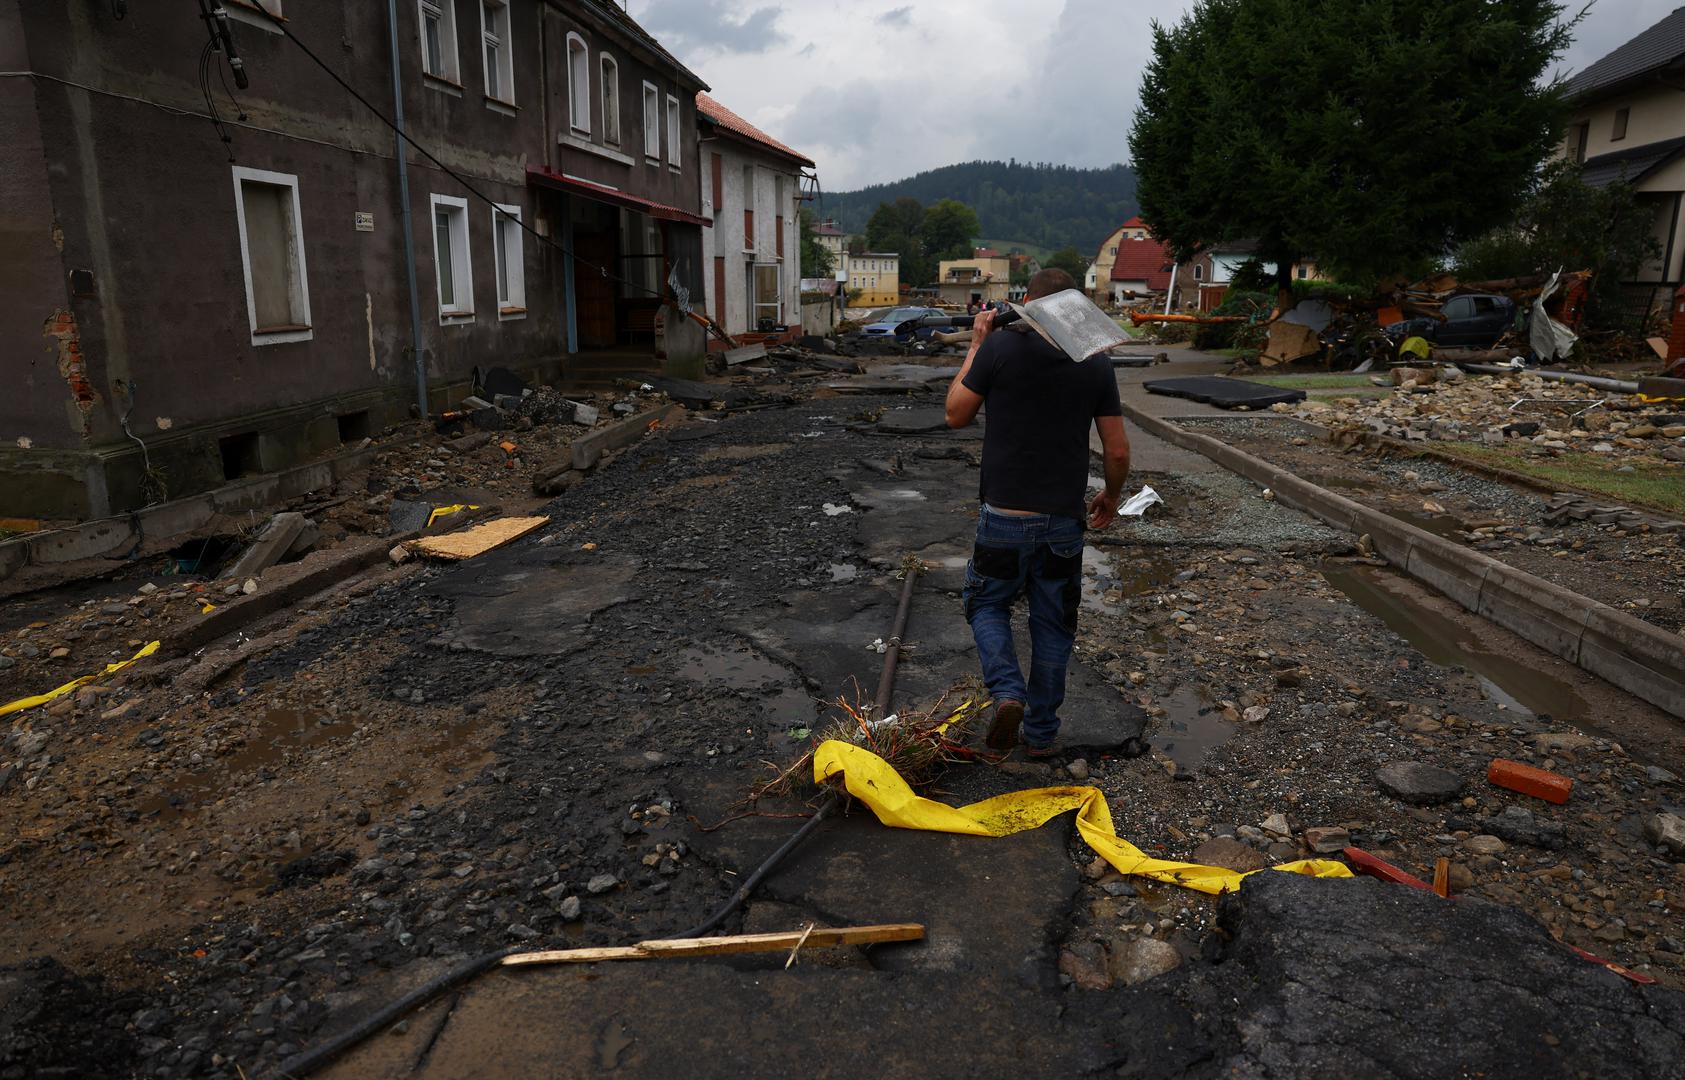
(1044, 206)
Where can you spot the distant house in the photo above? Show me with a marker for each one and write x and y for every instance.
(1098, 280)
(1629, 123)
(977, 280)
(1202, 281)
(877, 274)
(1142, 267)
(752, 182)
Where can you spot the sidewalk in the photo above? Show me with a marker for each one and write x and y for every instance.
(1149, 453)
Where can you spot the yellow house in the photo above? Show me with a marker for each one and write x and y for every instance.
(877, 274)
(1097, 282)
(982, 280)
(1629, 123)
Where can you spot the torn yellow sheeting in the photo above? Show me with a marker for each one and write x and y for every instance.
(41, 699)
(870, 779)
(447, 511)
(478, 540)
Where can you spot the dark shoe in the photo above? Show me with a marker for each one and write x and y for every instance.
(1052, 749)
(1003, 733)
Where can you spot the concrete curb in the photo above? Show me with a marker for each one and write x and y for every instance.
(1628, 652)
(115, 537)
(587, 449)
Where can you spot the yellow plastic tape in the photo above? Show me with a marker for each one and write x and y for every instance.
(870, 779)
(447, 511)
(41, 699)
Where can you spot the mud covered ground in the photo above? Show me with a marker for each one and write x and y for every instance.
(208, 870)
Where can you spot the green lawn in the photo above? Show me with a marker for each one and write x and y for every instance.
(1659, 487)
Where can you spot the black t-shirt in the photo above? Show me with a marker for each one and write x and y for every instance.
(1040, 405)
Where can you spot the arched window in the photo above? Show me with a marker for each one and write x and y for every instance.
(579, 84)
(611, 99)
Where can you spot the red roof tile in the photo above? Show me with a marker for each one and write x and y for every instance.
(1143, 260)
(735, 124)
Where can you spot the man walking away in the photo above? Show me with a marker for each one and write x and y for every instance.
(1030, 529)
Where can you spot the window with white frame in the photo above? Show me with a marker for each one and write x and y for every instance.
(610, 88)
(579, 84)
(451, 267)
(672, 130)
(438, 39)
(652, 122)
(272, 255)
(506, 253)
(769, 308)
(500, 67)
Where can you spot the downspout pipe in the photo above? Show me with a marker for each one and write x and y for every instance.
(401, 146)
(1598, 382)
(1170, 293)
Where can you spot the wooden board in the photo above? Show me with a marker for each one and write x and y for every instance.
(478, 540)
(677, 948)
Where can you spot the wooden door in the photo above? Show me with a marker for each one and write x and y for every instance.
(594, 292)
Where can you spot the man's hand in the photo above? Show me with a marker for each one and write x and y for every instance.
(980, 327)
(1102, 510)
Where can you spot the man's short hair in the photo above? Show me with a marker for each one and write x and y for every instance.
(1049, 281)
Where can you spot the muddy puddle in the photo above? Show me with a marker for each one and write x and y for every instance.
(1108, 580)
(1443, 641)
(280, 732)
(740, 668)
(1191, 727)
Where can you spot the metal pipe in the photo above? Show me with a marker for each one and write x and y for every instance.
(402, 153)
(1614, 386)
(892, 654)
(1170, 292)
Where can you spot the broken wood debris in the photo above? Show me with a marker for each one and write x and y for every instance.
(478, 540)
(1565, 506)
(679, 948)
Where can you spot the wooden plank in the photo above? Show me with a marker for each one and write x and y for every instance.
(677, 948)
(478, 540)
(1442, 877)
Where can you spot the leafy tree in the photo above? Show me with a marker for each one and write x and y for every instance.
(1070, 260)
(895, 225)
(1570, 225)
(947, 231)
(1366, 133)
(817, 260)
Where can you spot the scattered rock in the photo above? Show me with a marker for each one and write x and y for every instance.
(1666, 830)
(600, 884)
(1085, 964)
(1484, 845)
(1418, 783)
(1517, 825)
(1327, 840)
(1131, 961)
(1229, 854)
(1078, 770)
(568, 909)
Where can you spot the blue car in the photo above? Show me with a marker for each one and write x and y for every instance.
(906, 324)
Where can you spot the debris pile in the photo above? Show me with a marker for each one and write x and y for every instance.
(1552, 417)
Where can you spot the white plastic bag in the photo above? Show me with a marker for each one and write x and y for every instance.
(1136, 505)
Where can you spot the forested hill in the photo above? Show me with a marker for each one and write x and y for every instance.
(1046, 205)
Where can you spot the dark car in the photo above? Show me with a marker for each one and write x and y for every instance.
(1474, 321)
(906, 323)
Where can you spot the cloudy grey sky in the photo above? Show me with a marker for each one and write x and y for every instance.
(875, 90)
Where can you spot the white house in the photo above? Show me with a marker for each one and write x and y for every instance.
(752, 254)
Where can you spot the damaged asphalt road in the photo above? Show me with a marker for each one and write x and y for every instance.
(524, 749)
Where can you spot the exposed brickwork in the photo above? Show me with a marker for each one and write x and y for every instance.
(61, 329)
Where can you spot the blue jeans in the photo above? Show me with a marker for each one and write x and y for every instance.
(1041, 556)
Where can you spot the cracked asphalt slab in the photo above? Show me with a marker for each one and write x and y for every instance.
(524, 749)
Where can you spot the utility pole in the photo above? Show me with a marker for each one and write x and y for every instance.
(401, 145)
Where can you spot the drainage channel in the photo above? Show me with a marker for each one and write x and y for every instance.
(1505, 680)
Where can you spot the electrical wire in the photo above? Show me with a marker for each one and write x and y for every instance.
(286, 32)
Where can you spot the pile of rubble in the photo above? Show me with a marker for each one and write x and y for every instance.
(1442, 404)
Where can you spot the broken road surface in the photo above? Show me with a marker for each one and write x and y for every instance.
(533, 748)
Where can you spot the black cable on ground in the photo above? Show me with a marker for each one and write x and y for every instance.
(308, 1061)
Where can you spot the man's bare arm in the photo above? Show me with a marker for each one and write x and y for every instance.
(1102, 509)
(964, 402)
